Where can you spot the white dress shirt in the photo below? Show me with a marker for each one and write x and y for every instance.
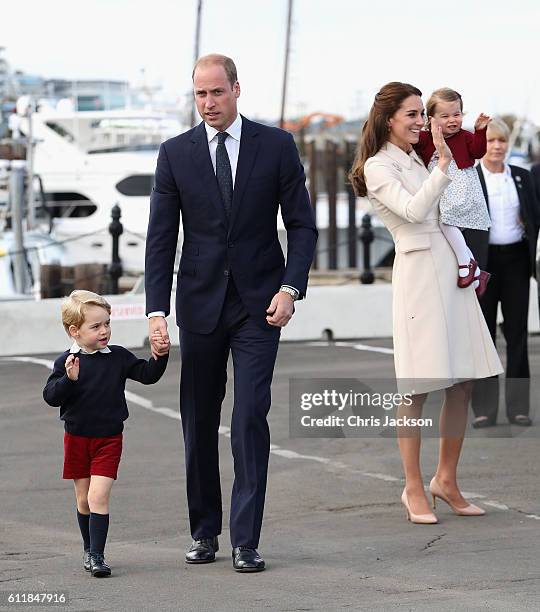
(506, 226)
(232, 143)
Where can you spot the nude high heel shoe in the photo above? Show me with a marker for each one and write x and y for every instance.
(423, 519)
(469, 510)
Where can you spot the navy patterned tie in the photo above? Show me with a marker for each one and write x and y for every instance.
(224, 174)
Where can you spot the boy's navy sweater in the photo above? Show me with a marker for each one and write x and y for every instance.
(95, 404)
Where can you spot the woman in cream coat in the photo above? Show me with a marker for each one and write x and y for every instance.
(441, 340)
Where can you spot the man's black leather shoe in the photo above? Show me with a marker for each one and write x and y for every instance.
(98, 567)
(203, 551)
(86, 560)
(247, 560)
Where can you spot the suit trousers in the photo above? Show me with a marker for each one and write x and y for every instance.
(202, 390)
(510, 270)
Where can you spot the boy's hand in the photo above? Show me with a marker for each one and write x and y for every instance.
(482, 121)
(159, 325)
(72, 367)
(157, 340)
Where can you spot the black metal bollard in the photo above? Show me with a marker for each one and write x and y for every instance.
(115, 229)
(366, 237)
(350, 152)
(330, 162)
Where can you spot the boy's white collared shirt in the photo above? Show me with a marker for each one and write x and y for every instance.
(75, 348)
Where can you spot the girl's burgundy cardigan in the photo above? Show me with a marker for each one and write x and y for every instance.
(465, 146)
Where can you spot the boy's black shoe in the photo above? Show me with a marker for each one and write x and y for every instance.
(247, 560)
(203, 550)
(98, 567)
(86, 560)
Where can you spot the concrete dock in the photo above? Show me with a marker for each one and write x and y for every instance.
(334, 537)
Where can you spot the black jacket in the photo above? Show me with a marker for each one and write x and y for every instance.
(529, 210)
(535, 176)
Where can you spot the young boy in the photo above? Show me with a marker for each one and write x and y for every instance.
(88, 383)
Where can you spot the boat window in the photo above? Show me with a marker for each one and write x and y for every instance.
(61, 131)
(68, 204)
(153, 146)
(136, 185)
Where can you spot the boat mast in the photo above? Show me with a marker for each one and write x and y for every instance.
(286, 66)
(196, 54)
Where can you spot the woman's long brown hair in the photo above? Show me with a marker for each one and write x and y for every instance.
(375, 131)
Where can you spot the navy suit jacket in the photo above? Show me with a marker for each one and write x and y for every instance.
(268, 175)
(529, 212)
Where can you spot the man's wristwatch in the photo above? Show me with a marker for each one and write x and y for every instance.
(294, 293)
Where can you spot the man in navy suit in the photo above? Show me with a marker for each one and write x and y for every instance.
(227, 178)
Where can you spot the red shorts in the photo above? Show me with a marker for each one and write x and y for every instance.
(85, 457)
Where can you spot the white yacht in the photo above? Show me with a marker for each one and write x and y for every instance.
(88, 161)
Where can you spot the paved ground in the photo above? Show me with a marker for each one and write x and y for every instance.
(334, 538)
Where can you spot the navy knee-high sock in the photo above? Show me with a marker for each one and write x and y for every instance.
(83, 520)
(98, 527)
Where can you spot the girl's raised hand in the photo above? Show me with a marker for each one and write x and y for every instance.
(482, 121)
(443, 150)
(72, 367)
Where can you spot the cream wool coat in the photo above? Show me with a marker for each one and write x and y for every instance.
(440, 334)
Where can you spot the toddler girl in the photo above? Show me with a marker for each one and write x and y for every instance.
(462, 204)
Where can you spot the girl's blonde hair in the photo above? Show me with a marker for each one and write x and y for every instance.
(74, 307)
(444, 94)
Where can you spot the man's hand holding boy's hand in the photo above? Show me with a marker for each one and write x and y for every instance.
(72, 367)
(160, 344)
(158, 334)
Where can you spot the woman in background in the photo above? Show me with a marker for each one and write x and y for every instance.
(508, 252)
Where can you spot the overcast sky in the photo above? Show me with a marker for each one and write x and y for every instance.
(342, 50)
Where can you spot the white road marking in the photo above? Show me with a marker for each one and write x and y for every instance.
(381, 476)
(44, 362)
(496, 504)
(356, 346)
(147, 404)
